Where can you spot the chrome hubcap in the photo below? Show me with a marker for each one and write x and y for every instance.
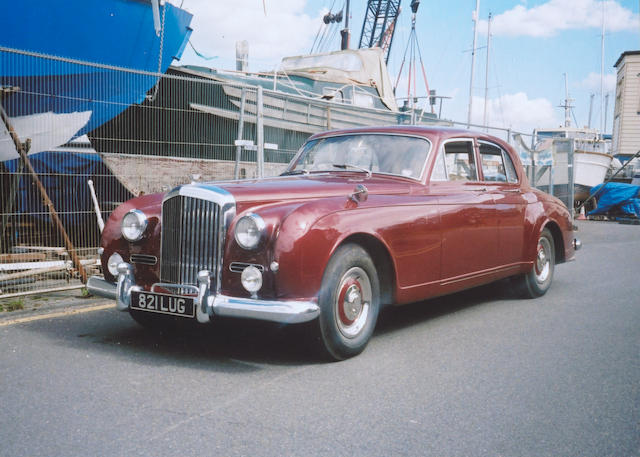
(543, 260)
(353, 302)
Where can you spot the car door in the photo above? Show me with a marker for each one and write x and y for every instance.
(469, 235)
(502, 182)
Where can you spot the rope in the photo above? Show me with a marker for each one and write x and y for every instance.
(155, 87)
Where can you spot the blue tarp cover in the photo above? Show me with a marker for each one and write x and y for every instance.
(64, 176)
(617, 196)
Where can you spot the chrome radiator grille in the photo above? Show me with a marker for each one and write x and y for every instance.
(190, 228)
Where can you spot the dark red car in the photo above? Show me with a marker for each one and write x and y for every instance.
(361, 219)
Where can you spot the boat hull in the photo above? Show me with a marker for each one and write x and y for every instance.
(73, 61)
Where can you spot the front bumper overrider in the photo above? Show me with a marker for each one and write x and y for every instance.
(208, 303)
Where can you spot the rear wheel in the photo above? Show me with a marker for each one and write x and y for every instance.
(349, 302)
(538, 280)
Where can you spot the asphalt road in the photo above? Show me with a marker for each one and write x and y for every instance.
(476, 374)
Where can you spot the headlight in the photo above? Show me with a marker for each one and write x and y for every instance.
(251, 279)
(249, 231)
(113, 262)
(134, 223)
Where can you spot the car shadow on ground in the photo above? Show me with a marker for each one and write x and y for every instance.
(397, 318)
(235, 345)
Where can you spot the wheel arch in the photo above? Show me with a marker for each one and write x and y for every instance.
(381, 259)
(558, 241)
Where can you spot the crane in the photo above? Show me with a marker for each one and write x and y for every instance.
(379, 25)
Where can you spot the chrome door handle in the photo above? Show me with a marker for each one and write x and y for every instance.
(514, 191)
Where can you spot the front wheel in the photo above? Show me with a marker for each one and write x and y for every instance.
(538, 280)
(349, 301)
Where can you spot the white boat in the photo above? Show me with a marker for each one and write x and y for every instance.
(592, 157)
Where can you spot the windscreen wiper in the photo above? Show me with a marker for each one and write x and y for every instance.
(295, 172)
(344, 166)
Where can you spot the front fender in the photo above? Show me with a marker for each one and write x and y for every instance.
(304, 242)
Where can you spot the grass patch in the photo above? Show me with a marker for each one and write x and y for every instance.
(12, 305)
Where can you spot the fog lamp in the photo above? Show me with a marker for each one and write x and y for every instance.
(113, 262)
(251, 279)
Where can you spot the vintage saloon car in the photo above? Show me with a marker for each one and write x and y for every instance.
(361, 218)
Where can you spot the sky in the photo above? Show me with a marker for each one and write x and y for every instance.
(534, 43)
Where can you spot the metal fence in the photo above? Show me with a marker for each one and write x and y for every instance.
(90, 149)
(551, 168)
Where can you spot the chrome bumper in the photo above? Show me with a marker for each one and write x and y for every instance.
(208, 304)
(577, 244)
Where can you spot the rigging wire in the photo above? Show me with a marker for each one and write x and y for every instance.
(322, 27)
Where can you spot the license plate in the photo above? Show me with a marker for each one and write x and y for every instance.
(174, 305)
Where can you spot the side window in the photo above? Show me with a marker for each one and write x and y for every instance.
(460, 161)
(333, 94)
(439, 171)
(492, 163)
(361, 99)
(512, 176)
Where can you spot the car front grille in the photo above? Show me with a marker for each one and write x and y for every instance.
(190, 242)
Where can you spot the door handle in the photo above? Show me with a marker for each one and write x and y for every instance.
(513, 191)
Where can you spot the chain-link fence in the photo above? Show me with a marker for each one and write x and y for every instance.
(90, 149)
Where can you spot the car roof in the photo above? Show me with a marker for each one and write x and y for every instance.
(432, 132)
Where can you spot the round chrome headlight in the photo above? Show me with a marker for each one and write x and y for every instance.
(113, 262)
(249, 231)
(134, 223)
(251, 279)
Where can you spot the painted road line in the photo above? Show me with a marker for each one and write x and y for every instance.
(66, 312)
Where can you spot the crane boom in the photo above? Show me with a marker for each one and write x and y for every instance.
(379, 25)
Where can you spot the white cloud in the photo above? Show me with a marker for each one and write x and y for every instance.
(285, 30)
(515, 111)
(555, 16)
(592, 82)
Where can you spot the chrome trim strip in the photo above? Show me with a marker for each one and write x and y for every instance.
(481, 274)
(179, 287)
(238, 267)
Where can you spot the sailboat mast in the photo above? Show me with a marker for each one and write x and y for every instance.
(602, 114)
(345, 32)
(486, 72)
(473, 59)
(567, 102)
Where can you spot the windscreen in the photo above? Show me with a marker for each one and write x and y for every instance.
(376, 153)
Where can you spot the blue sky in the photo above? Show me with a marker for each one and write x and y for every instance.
(533, 44)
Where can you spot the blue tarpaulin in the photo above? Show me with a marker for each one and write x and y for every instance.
(64, 176)
(618, 197)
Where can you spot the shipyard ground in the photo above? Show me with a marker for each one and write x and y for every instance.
(480, 373)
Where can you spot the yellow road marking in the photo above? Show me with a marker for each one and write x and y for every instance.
(66, 312)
